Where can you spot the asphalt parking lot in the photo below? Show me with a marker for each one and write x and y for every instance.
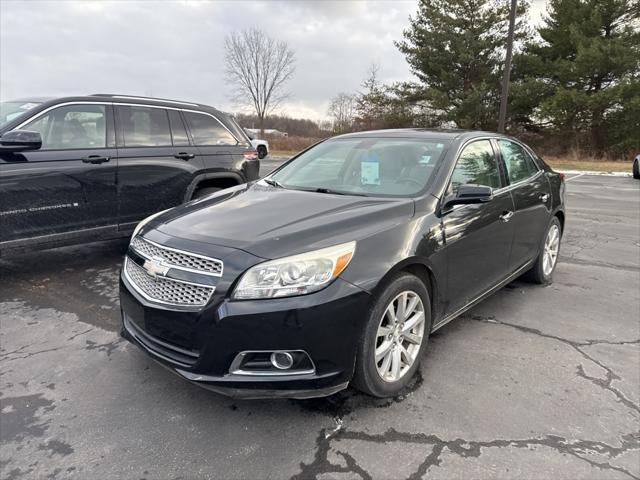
(535, 382)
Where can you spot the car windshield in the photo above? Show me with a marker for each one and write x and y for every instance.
(12, 110)
(397, 167)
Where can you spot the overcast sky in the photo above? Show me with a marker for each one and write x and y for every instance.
(175, 49)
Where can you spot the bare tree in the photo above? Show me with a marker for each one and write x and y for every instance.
(343, 111)
(257, 68)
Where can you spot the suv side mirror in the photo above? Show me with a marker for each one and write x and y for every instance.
(468, 194)
(20, 141)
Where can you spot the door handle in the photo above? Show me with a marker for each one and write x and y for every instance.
(95, 159)
(544, 198)
(184, 155)
(506, 216)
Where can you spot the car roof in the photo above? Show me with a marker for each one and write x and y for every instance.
(431, 133)
(117, 98)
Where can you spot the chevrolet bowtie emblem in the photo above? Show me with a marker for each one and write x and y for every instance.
(155, 267)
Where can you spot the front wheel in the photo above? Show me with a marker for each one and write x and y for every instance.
(545, 264)
(636, 168)
(394, 338)
(262, 151)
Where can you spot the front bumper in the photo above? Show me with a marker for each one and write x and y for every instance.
(200, 346)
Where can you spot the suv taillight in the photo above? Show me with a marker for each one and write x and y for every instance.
(250, 155)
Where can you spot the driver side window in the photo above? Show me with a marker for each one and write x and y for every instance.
(71, 126)
(476, 165)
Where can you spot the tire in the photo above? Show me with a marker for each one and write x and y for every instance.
(367, 377)
(540, 273)
(262, 151)
(636, 168)
(203, 192)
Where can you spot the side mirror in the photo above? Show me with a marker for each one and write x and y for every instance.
(20, 141)
(468, 194)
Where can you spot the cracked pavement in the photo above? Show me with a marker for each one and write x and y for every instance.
(535, 382)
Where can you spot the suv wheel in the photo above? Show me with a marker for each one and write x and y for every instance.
(262, 151)
(203, 192)
(394, 338)
(636, 168)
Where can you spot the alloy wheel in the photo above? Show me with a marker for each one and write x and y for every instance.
(551, 247)
(399, 336)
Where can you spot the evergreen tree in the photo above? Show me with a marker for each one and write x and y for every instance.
(381, 106)
(583, 79)
(456, 50)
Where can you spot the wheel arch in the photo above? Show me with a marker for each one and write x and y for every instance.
(216, 179)
(560, 215)
(421, 269)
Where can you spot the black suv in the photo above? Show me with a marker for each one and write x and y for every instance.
(88, 168)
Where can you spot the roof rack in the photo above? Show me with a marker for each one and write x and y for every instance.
(134, 97)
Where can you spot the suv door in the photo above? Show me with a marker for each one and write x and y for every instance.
(532, 199)
(219, 149)
(478, 236)
(156, 162)
(69, 184)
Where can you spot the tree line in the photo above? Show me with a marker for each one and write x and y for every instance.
(575, 81)
(575, 78)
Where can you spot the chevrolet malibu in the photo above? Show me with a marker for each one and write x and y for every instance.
(335, 268)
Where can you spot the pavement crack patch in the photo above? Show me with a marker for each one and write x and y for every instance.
(20, 354)
(78, 334)
(321, 463)
(577, 346)
(108, 347)
(462, 448)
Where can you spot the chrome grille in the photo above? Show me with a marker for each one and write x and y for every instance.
(166, 290)
(177, 258)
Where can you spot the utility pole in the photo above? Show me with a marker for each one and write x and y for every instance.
(507, 68)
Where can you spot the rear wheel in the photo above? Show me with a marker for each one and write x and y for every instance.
(262, 151)
(394, 338)
(545, 264)
(636, 168)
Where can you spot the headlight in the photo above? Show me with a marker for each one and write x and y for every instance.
(296, 275)
(145, 221)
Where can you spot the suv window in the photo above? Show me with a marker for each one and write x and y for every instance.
(206, 130)
(476, 165)
(178, 131)
(71, 126)
(519, 163)
(144, 126)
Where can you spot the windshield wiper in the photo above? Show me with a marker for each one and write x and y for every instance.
(273, 183)
(336, 192)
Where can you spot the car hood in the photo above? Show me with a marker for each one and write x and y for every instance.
(272, 222)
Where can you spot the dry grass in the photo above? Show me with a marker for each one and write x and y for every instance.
(290, 144)
(569, 163)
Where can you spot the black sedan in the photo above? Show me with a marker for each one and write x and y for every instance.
(335, 268)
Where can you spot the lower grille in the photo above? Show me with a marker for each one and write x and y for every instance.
(167, 351)
(166, 290)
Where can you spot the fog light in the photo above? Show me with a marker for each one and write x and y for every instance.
(282, 360)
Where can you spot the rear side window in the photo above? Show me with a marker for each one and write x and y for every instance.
(206, 130)
(71, 126)
(144, 126)
(178, 131)
(476, 165)
(519, 163)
